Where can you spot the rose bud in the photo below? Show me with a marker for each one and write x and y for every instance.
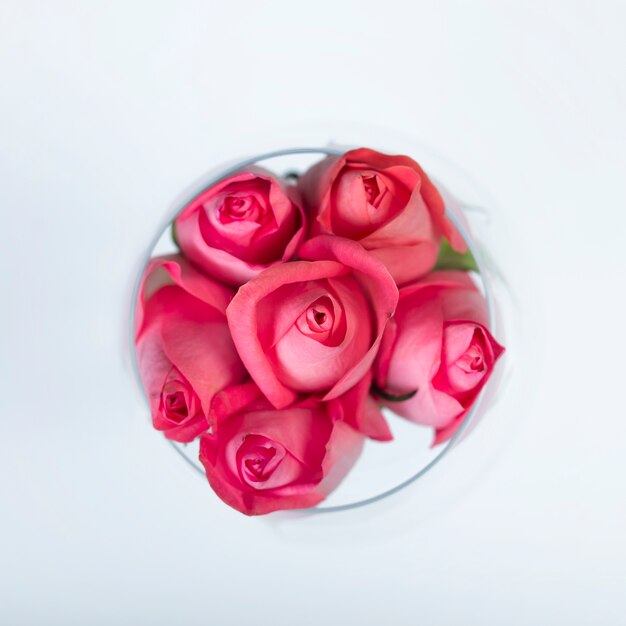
(437, 352)
(386, 203)
(313, 326)
(184, 350)
(259, 459)
(241, 225)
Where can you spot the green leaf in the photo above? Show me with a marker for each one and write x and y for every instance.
(449, 259)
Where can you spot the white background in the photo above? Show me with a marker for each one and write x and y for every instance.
(107, 111)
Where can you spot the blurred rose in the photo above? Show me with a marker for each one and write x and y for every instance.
(259, 459)
(241, 225)
(386, 203)
(438, 351)
(183, 345)
(313, 326)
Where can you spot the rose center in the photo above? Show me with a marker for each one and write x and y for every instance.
(257, 465)
(373, 190)
(319, 318)
(176, 406)
(473, 360)
(476, 363)
(258, 458)
(240, 208)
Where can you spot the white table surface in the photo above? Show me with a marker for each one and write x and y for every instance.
(107, 111)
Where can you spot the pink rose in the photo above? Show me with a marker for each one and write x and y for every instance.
(241, 225)
(386, 203)
(260, 459)
(313, 326)
(438, 351)
(184, 350)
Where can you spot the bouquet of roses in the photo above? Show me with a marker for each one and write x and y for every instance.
(295, 311)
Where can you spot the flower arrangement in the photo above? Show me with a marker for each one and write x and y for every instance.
(296, 310)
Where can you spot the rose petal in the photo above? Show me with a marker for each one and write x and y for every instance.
(181, 324)
(358, 409)
(176, 270)
(379, 289)
(432, 350)
(243, 323)
(310, 446)
(238, 251)
(334, 191)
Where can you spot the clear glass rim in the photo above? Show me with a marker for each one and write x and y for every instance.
(225, 170)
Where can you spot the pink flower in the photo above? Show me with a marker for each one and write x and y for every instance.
(386, 203)
(184, 350)
(438, 351)
(241, 225)
(260, 459)
(313, 326)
